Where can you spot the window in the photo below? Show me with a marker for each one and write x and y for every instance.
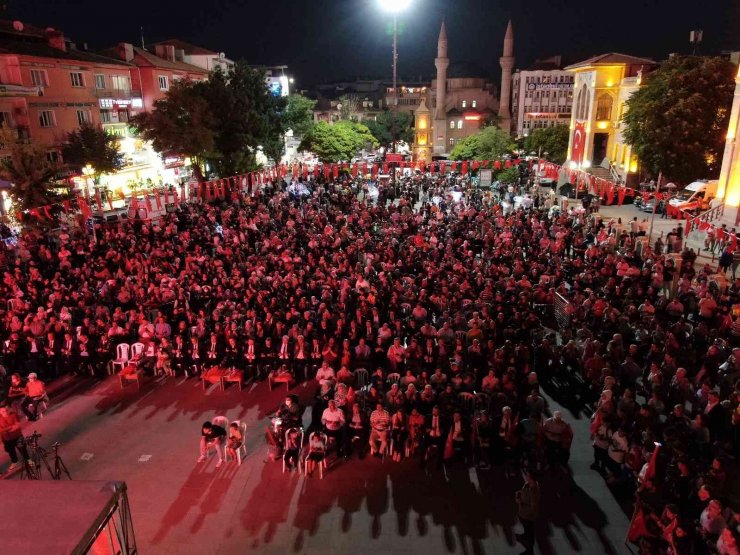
(38, 78)
(474, 103)
(121, 82)
(164, 83)
(452, 141)
(105, 116)
(604, 107)
(459, 124)
(52, 156)
(46, 118)
(76, 78)
(84, 116)
(123, 116)
(452, 125)
(6, 120)
(99, 81)
(464, 103)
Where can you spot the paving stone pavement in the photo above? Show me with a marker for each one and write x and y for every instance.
(149, 439)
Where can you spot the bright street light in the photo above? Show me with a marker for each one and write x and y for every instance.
(394, 6)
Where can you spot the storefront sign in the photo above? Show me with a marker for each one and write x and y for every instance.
(486, 177)
(549, 86)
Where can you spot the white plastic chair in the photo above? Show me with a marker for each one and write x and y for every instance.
(122, 356)
(137, 349)
(322, 464)
(243, 447)
(393, 377)
(220, 449)
(362, 378)
(300, 448)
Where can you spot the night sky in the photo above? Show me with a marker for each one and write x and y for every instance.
(322, 40)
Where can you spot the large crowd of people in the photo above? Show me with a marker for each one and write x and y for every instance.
(429, 322)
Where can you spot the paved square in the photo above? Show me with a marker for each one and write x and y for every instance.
(149, 439)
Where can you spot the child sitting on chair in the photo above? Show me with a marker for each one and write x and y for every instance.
(235, 440)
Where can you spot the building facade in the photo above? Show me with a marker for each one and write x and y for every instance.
(601, 87)
(541, 97)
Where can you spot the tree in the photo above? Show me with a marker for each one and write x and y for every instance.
(349, 106)
(677, 121)
(488, 144)
(92, 145)
(180, 123)
(550, 142)
(508, 175)
(298, 114)
(29, 169)
(338, 142)
(245, 116)
(382, 127)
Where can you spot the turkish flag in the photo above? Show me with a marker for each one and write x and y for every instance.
(110, 201)
(442, 167)
(149, 204)
(364, 168)
(166, 195)
(354, 170)
(507, 164)
(84, 209)
(174, 197)
(385, 168)
(579, 143)
(610, 193)
(620, 195)
(335, 170)
(497, 165)
(485, 163)
(375, 170)
(158, 200)
(99, 200)
(464, 168)
(454, 166)
(476, 165)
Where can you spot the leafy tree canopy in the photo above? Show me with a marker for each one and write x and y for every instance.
(180, 123)
(552, 142)
(338, 142)
(488, 144)
(382, 127)
(677, 121)
(298, 114)
(92, 145)
(29, 170)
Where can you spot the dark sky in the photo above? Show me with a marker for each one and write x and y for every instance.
(328, 39)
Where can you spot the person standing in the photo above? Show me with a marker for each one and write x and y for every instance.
(10, 433)
(212, 436)
(528, 505)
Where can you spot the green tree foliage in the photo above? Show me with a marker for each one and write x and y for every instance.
(29, 170)
(223, 120)
(298, 114)
(180, 123)
(338, 142)
(488, 144)
(508, 175)
(245, 117)
(92, 145)
(677, 121)
(552, 141)
(382, 127)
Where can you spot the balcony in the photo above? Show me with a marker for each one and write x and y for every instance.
(124, 94)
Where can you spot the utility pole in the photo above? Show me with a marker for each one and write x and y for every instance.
(394, 114)
(655, 206)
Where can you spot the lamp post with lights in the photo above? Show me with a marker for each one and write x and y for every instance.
(394, 7)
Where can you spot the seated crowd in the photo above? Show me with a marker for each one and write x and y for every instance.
(425, 326)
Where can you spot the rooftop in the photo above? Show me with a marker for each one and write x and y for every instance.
(612, 58)
(190, 49)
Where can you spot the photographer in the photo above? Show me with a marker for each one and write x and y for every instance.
(10, 433)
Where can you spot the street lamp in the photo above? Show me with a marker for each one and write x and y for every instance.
(394, 7)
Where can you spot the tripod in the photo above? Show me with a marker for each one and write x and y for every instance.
(39, 458)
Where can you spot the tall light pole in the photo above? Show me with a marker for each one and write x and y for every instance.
(394, 7)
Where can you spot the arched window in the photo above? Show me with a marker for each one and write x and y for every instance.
(604, 107)
(581, 102)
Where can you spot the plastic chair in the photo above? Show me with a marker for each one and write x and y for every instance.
(463, 335)
(137, 349)
(322, 464)
(467, 401)
(362, 378)
(122, 356)
(243, 447)
(393, 377)
(300, 446)
(224, 423)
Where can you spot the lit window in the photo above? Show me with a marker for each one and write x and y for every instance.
(164, 83)
(474, 103)
(459, 124)
(76, 78)
(464, 103)
(452, 125)
(452, 142)
(99, 81)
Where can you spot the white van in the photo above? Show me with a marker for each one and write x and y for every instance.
(695, 194)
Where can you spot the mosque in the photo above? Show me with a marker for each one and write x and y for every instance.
(458, 103)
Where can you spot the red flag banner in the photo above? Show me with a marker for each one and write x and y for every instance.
(149, 204)
(158, 200)
(110, 201)
(442, 167)
(354, 170)
(84, 208)
(134, 203)
(610, 193)
(166, 195)
(453, 166)
(375, 170)
(476, 165)
(507, 164)
(46, 212)
(385, 168)
(485, 163)
(174, 197)
(497, 165)
(464, 168)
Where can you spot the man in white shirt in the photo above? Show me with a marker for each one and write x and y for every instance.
(325, 373)
(333, 420)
